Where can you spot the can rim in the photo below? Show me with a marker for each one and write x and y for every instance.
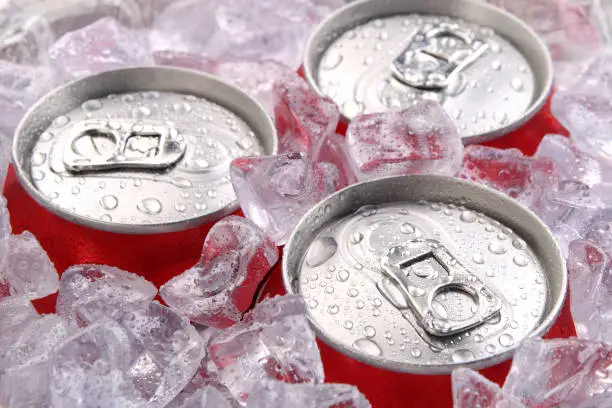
(310, 69)
(266, 123)
(424, 369)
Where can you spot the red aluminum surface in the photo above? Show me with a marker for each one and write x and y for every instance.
(162, 256)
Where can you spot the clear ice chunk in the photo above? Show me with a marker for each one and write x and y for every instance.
(421, 139)
(273, 341)
(236, 257)
(89, 292)
(471, 389)
(276, 191)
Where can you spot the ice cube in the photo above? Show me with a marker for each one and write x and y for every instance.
(508, 171)
(236, 257)
(25, 387)
(303, 118)
(89, 292)
(5, 221)
(268, 394)
(470, 390)
(34, 341)
(254, 77)
(184, 26)
(274, 341)
(25, 268)
(276, 191)
(15, 312)
(20, 87)
(563, 25)
(143, 360)
(590, 276)
(102, 46)
(585, 109)
(572, 164)
(264, 29)
(183, 60)
(568, 373)
(421, 139)
(25, 38)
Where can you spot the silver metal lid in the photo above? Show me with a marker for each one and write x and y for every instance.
(140, 150)
(422, 274)
(488, 69)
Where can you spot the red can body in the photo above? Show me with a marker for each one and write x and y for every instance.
(158, 257)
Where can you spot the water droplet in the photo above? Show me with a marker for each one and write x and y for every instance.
(38, 158)
(61, 121)
(416, 292)
(407, 228)
(478, 338)
(333, 309)
(369, 60)
(467, 216)
(182, 182)
(436, 207)
(348, 325)
(150, 206)
(490, 348)
(517, 84)
(352, 292)
(106, 218)
(320, 251)
(182, 107)
(520, 260)
(142, 112)
(462, 356)
(180, 207)
(500, 117)
(46, 136)
(496, 65)
(360, 304)
(331, 60)
(211, 193)
(312, 303)
(75, 190)
(497, 247)
(377, 302)
(109, 202)
(415, 352)
(91, 105)
(478, 258)
(37, 175)
(368, 346)
(506, 340)
(518, 243)
(369, 331)
(356, 238)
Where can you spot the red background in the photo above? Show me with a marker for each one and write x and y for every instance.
(159, 257)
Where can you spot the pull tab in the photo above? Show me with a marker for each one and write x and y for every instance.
(436, 54)
(422, 270)
(96, 145)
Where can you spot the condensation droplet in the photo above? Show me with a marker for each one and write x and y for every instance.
(490, 348)
(407, 228)
(497, 247)
(343, 275)
(37, 175)
(506, 340)
(91, 105)
(478, 258)
(467, 216)
(415, 352)
(38, 158)
(356, 238)
(520, 260)
(150, 206)
(348, 325)
(331, 60)
(496, 65)
(352, 292)
(360, 304)
(333, 309)
(61, 121)
(369, 331)
(517, 84)
(368, 346)
(180, 207)
(478, 338)
(106, 218)
(462, 356)
(75, 190)
(320, 251)
(182, 182)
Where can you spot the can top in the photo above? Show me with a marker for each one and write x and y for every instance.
(487, 68)
(423, 274)
(141, 150)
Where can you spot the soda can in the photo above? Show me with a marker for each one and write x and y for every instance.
(133, 151)
(423, 274)
(487, 68)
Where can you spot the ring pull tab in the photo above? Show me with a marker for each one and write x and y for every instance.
(436, 54)
(96, 145)
(422, 270)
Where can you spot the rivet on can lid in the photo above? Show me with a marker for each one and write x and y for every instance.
(487, 68)
(423, 273)
(139, 150)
